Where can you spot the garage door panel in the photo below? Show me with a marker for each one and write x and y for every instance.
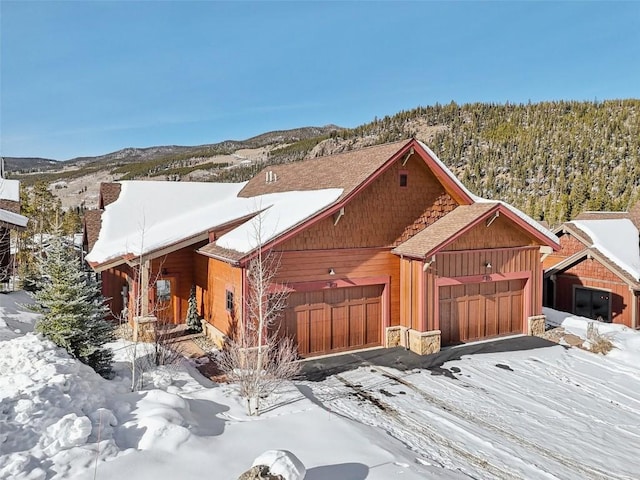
(475, 318)
(504, 315)
(339, 328)
(318, 327)
(470, 312)
(373, 330)
(335, 319)
(356, 325)
(490, 317)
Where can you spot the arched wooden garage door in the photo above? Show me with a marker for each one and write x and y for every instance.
(475, 311)
(335, 320)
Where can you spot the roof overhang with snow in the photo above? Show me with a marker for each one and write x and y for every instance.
(150, 219)
(613, 241)
(12, 220)
(9, 190)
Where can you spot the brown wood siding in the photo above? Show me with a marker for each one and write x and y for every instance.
(201, 280)
(179, 266)
(384, 214)
(314, 265)
(221, 277)
(474, 311)
(112, 281)
(591, 273)
(508, 260)
(411, 292)
(334, 320)
(501, 233)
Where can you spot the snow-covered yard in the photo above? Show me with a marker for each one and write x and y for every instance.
(544, 412)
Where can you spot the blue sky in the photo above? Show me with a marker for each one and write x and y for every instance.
(88, 78)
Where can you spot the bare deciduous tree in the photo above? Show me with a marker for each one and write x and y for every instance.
(258, 359)
(150, 346)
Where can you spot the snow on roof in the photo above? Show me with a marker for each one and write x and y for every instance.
(9, 190)
(152, 215)
(13, 218)
(545, 231)
(617, 239)
(286, 210)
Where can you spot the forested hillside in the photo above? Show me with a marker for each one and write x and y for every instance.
(551, 159)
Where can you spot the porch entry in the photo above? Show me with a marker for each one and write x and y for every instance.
(167, 304)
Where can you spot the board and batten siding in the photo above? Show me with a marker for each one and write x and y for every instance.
(471, 264)
(590, 273)
(298, 267)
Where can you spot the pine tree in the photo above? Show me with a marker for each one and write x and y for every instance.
(193, 320)
(73, 308)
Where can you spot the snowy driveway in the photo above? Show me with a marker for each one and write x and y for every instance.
(518, 408)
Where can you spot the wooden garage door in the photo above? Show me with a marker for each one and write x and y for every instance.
(481, 310)
(335, 320)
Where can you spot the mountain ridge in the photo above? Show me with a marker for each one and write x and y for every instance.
(551, 159)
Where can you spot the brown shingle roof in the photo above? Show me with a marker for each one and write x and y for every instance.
(421, 244)
(601, 215)
(92, 222)
(634, 214)
(213, 250)
(345, 170)
(109, 193)
(10, 205)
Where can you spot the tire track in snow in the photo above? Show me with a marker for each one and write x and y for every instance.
(409, 423)
(589, 472)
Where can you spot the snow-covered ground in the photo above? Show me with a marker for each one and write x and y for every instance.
(548, 412)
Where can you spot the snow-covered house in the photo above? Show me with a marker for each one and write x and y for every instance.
(10, 219)
(381, 246)
(596, 272)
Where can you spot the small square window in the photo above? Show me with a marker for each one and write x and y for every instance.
(403, 179)
(229, 301)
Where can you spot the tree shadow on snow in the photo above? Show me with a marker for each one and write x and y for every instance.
(343, 471)
(318, 369)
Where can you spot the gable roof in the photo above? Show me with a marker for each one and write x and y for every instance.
(438, 234)
(284, 199)
(345, 170)
(150, 216)
(91, 222)
(617, 239)
(109, 192)
(457, 222)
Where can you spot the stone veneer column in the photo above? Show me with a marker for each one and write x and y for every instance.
(536, 325)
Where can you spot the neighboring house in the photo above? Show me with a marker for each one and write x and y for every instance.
(378, 247)
(596, 272)
(10, 219)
